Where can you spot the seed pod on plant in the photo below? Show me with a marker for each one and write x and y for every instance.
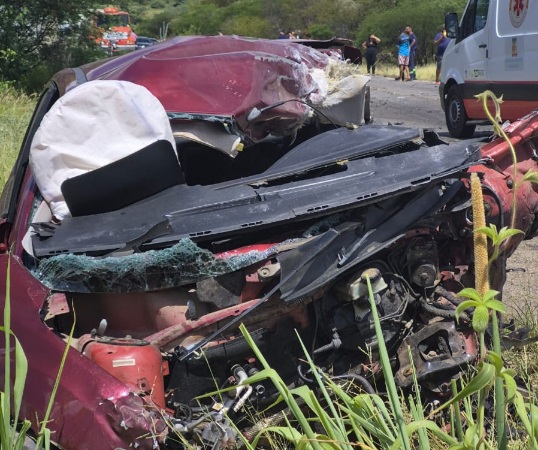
(479, 239)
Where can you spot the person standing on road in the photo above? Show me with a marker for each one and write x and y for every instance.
(403, 56)
(412, 50)
(441, 41)
(371, 52)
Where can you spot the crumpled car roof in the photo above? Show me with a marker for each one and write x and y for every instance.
(216, 78)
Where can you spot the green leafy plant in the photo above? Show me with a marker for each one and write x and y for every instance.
(9, 437)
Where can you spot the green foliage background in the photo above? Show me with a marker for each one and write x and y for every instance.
(40, 37)
(320, 19)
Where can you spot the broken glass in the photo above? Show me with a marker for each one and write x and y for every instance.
(181, 264)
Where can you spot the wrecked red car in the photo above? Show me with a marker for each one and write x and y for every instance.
(164, 197)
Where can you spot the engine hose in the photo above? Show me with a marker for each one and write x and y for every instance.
(303, 375)
(193, 424)
(444, 313)
(359, 380)
(327, 363)
(450, 296)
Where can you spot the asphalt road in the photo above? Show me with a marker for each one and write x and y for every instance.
(410, 104)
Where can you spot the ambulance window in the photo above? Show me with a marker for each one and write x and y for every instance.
(474, 18)
(481, 14)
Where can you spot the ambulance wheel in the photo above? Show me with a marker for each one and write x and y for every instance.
(456, 117)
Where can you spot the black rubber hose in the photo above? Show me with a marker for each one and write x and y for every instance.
(444, 313)
(450, 296)
(359, 380)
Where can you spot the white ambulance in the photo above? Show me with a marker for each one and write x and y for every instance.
(495, 47)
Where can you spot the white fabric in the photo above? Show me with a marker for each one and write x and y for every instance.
(91, 126)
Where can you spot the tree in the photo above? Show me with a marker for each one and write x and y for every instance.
(43, 36)
(327, 18)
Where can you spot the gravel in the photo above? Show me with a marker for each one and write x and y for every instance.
(410, 104)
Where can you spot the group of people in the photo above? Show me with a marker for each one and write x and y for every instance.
(407, 47)
(288, 35)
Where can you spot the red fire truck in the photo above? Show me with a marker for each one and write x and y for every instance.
(114, 29)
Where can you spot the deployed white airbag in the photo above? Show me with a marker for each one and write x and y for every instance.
(93, 125)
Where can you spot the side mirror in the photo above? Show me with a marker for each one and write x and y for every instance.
(451, 25)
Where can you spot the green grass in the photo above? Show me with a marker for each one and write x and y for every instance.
(15, 113)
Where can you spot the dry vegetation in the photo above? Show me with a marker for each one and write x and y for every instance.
(15, 112)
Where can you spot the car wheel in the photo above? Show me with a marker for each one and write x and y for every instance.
(456, 117)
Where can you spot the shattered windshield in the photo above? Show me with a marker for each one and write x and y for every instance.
(178, 265)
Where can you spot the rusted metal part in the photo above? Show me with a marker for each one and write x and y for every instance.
(437, 351)
(56, 305)
(269, 313)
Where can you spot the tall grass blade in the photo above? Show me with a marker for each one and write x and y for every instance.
(457, 413)
(387, 372)
(366, 416)
(21, 438)
(417, 412)
(336, 427)
(7, 433)
(527, 419)
(500, 402)
(4, 432)
(282, 390)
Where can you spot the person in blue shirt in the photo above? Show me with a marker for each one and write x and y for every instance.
(441, 41)
(412, 49)
(403, 56)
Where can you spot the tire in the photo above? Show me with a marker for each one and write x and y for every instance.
(456, 117)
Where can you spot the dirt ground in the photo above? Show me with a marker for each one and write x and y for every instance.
(417, 104)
